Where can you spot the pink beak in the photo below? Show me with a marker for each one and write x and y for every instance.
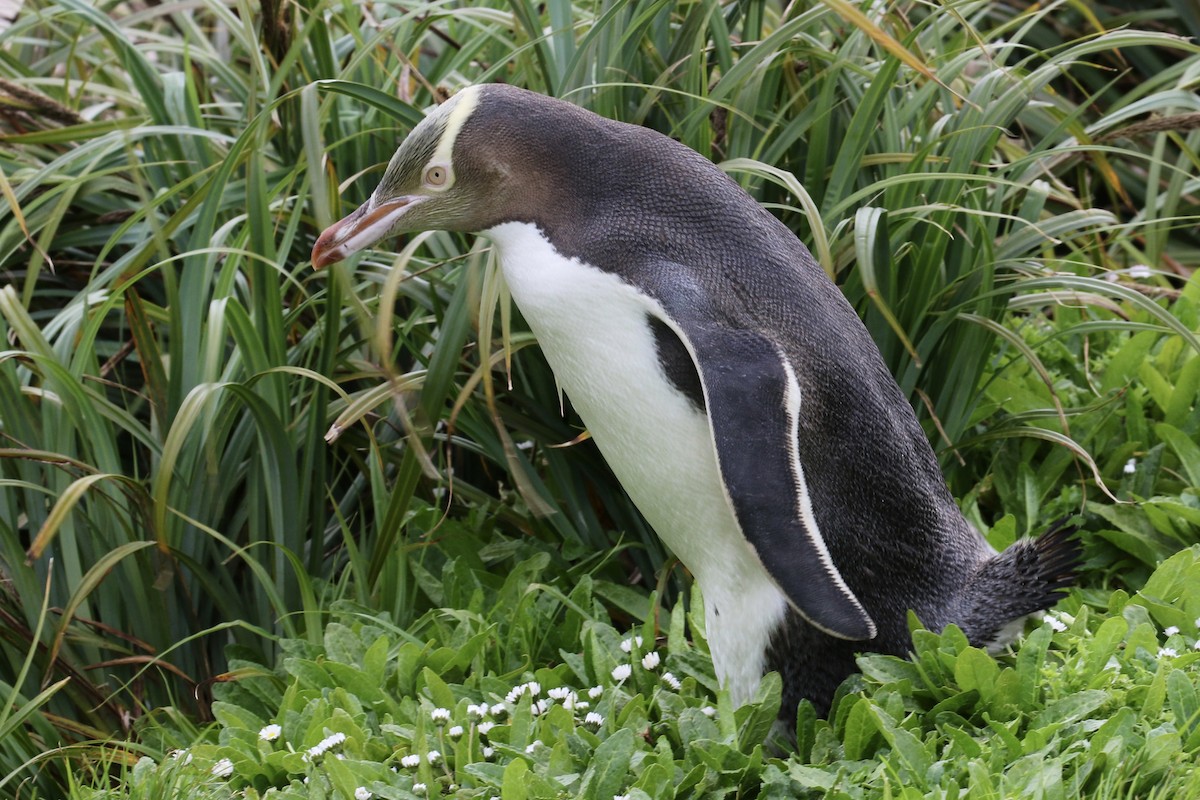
(361, 229)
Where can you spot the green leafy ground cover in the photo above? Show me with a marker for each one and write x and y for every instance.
(210, 454)
(1099, 700)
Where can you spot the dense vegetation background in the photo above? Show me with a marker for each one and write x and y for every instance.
(337, 501)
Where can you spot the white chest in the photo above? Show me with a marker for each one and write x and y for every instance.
(594, 330)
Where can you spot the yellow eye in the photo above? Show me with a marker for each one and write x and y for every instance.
(436, 176)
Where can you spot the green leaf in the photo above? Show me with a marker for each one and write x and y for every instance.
(976, 670)
(513, 786)
(609, 767)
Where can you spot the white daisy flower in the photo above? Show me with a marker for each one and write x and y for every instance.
(1167, 652)
(499, 710)
(596, 691)
(593, 718)
(1054, 622)
(1130, 466)
(320, 747)
(434, 756)
(440, 715)
(621, 672)
(455, 731)
(223, 768)
(651, 660)
(270, 733)
(411, 761)
(1170, 630)
(484, 727)
(419, 788)
(362, 793)
(708, 711)
(534, 745)
(1139, 271)
(475, 712)
(488, 752)
(670, 680)
(627, 644)
(559, 693)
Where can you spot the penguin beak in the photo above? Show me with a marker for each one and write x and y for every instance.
(361, 229)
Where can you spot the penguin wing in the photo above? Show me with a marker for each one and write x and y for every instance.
(753, 400)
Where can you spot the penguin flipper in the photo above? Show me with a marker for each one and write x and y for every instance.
(759, 459)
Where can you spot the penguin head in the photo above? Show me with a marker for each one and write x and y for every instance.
(472, 163)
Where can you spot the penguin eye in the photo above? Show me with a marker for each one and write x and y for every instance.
(436, 176)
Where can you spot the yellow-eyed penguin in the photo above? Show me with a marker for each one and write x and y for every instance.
(726, 380)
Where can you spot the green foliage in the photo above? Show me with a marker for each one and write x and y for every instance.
(203, 443)
(1103, 701)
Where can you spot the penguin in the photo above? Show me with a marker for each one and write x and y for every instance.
(728, 383)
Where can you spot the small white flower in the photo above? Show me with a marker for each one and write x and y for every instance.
(620, 797)
(582, 705)
(596, 691)
(621, 672)
(484, 727)
(1167, 652)
(593, 718)
(440, 715)
(627, 644)
(533, 688)
(412, 761)
(651, 660)
(434, 756)
(1054, 622)
(1170, 630)
(477, 712)
(499, 710)
(1130, 466)
(454, 731)
(419, 787)
(540, 707)
(270, 733)
(488, 752)
(708, 711)
(362, 793)
(184, 754)
(223, 768)
(534, 745)
(1139, 271)
(560, 693)
(670, 680)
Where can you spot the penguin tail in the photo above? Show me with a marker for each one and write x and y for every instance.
(1027, 577)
